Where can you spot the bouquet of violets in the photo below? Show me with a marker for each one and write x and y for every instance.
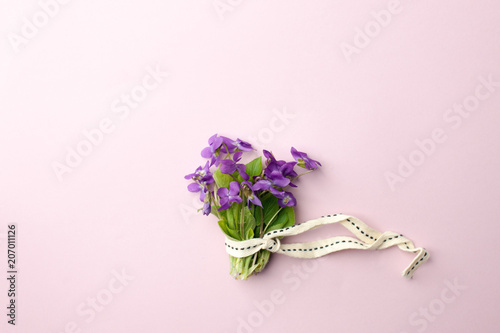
(247, 199)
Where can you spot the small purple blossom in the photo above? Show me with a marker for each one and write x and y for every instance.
(229, 166)
(246, 188)
(265, 185)
(227, 196)
(286, 199)
(214, 142)
(262, 185)
(275, 175)
(304, 161)
(286, 168)
(227, 142)
(197, 187)
(202, 174)
(243, 145)
(268, 184)
(269, 156)
(207, 208)
(233, 145)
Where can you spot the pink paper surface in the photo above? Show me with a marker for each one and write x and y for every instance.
(399, 101)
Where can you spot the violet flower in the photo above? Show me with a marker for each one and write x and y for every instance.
(303, 160)
(246, 189)
(202, 174)
(286, 199)
(274, 173)
(268, 184)
(227, 196)
(198, 187)
(229, 166)
(207, 208)
(243, 145)
(214, 142)
(269, 156)
(286, 168)
(282, 167)
(227, 142)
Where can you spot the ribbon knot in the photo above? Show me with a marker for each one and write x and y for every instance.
(271, 244)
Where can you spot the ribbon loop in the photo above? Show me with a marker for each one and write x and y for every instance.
(367, 239)
(271, 244)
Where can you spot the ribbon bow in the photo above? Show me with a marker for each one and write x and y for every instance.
(367, 239)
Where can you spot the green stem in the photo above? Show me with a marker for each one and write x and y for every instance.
(227, 153)
(304, 173)
(261, 221)
(213, 201)
(271, 220)
(242, 224)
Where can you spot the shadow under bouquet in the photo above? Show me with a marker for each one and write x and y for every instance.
(249, 199)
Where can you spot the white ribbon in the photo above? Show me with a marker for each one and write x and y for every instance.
(368, 239)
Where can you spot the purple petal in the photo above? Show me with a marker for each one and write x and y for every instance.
(194, 187)
(215, 160)
(212, 139)
(276, 193)
(234, 188)
(208, 179)
(207, 152)
(235, 198)
(207, 208)
(255, 200)
(227, 167)
(263, 184)
(243, 145)
(287, 168)
(206, 168)
(241, 169)
(237, 156)
(296, 154)
(224, 204)
(216, 143)
(268, 154)
(278, 180)
(288, 200)
(222, 192)
(271, 167)
(229, 143)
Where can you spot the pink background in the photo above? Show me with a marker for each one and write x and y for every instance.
(126, 207)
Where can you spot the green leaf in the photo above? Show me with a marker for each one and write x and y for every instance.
(214, 211)
(271, 207)
(258, 215)
(232, 222)
(234, 234)
(285, 218)
(229, 231)
(223, 227)
(249, 220)
(249, 234)
(291, 217)
(221, 179)
(254, 168)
